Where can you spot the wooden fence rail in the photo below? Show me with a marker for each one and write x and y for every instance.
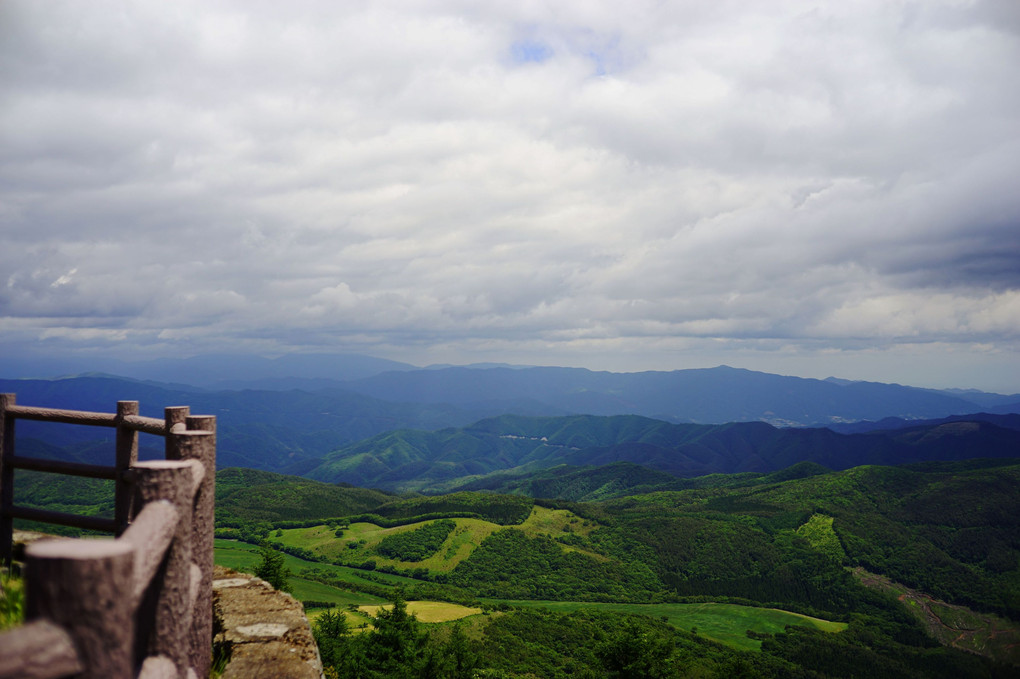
(136, 606)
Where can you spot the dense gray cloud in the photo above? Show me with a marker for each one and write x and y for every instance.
(810, 187)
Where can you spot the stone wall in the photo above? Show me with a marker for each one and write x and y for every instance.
(264, 633)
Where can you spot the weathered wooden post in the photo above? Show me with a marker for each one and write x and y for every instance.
(174, 415)
(6, 478)
(164, 613)
(127, 455)
(200, 445)
(79, 584)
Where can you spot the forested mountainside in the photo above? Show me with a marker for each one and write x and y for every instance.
(430, 461)
(1007, 420)
(803, 540)
(591, 483)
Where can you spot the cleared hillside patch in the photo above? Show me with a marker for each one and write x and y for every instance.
(464, 539)
(819, 533)
(317, 539)
(355, 545)
(554, 522)
(559, 523)
(360, 543)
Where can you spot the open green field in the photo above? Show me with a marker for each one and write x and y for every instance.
(725, 623)
(311, 590)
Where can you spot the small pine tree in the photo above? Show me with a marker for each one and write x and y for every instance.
(397, 646)
(272, 568)
(331, 632)
(460, 658)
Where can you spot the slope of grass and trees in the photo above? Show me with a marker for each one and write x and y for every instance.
(753, 574)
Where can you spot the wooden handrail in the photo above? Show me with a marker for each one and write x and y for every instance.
(65, 416)
(77, 610)
(94, 471)
(147, 425)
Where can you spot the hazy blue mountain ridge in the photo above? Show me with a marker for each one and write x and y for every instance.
(430, 461)
(711, 395)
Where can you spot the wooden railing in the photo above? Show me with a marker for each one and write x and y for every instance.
(136, 606)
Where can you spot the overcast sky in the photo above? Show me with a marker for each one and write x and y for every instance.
(810, 188)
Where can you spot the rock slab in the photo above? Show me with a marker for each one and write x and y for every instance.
(264, 631)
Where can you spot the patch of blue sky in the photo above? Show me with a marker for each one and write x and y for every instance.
(530, 51)
(600, 62)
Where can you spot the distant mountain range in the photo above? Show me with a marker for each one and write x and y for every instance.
(290, 412)
(710, 395)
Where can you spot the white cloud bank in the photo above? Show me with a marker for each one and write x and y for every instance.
(818, 188)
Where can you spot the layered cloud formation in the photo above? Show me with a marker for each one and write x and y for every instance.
(787, 185)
